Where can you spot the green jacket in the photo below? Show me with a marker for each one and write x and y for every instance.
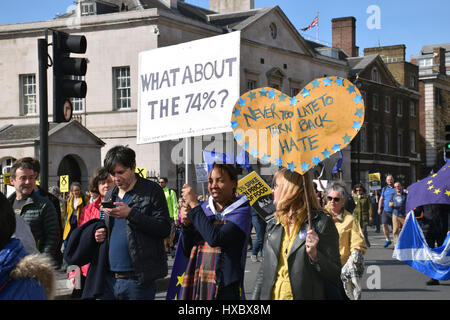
(363, 209)
(172, 203)
(39, 213)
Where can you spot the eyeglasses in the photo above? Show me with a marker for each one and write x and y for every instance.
(334, 199)
(162, 181)
(358, 190)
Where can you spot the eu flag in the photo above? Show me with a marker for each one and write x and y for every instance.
(178, 269)
(435, 189)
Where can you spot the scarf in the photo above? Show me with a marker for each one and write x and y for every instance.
(199, 282)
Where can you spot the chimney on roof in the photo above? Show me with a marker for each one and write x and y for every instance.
(439, 60)
(227, 6)
(344, 35)
(172, 4)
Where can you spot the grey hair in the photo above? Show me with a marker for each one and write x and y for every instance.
(338, 187)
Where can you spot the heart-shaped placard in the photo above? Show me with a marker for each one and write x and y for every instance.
(300, 132)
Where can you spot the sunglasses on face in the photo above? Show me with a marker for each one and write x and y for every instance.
(358, 190)
(334, 199)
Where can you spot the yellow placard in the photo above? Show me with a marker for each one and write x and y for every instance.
(299, 132)
(253, 186)
(374, 177)
(142, 172)
(64, 183)
(6, 177)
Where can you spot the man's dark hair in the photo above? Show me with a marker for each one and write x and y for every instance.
(122, 155)
(99, 175)
(165, 179)
(7, 221)
(23, 163)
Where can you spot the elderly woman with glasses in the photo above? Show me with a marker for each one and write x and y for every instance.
(352, 246)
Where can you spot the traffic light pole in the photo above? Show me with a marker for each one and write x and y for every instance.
(43, 112)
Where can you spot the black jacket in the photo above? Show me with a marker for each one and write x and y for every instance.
(147, 225)
(308, 280)
(82, 249)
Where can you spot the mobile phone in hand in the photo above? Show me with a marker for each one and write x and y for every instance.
(108, 204)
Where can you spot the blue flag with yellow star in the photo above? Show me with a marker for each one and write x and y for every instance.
(434, 189)
(178, 269)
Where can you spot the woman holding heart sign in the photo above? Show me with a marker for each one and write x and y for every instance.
(301, 253)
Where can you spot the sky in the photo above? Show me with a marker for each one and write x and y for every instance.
(414, 23)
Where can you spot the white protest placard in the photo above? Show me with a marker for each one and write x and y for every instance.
(201, 171)
(188, 89)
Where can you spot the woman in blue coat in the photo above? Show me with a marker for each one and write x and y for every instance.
(22, 276)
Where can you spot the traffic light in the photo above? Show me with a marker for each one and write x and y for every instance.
(64, 69)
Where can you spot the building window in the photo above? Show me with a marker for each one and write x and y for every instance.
(387, 104)
(412, 82)
(251, 84)
(28, 94)
(412, 108)
(399, 108)
(77, 103)
(412, 141)
(375, 102)
(399, 144)
(273, 30)
(87, 8)
(426, 62)
(375, 76)
(387, 141)
(362, 139)
(437, 97)
(122, 88)
(375, 140)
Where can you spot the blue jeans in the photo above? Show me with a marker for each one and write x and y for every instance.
(260, 229)
(127, 289)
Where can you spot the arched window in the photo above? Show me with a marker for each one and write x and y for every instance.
(375, 76)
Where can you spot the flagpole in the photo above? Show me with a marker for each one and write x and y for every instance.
(187, 145)
(317, 27)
